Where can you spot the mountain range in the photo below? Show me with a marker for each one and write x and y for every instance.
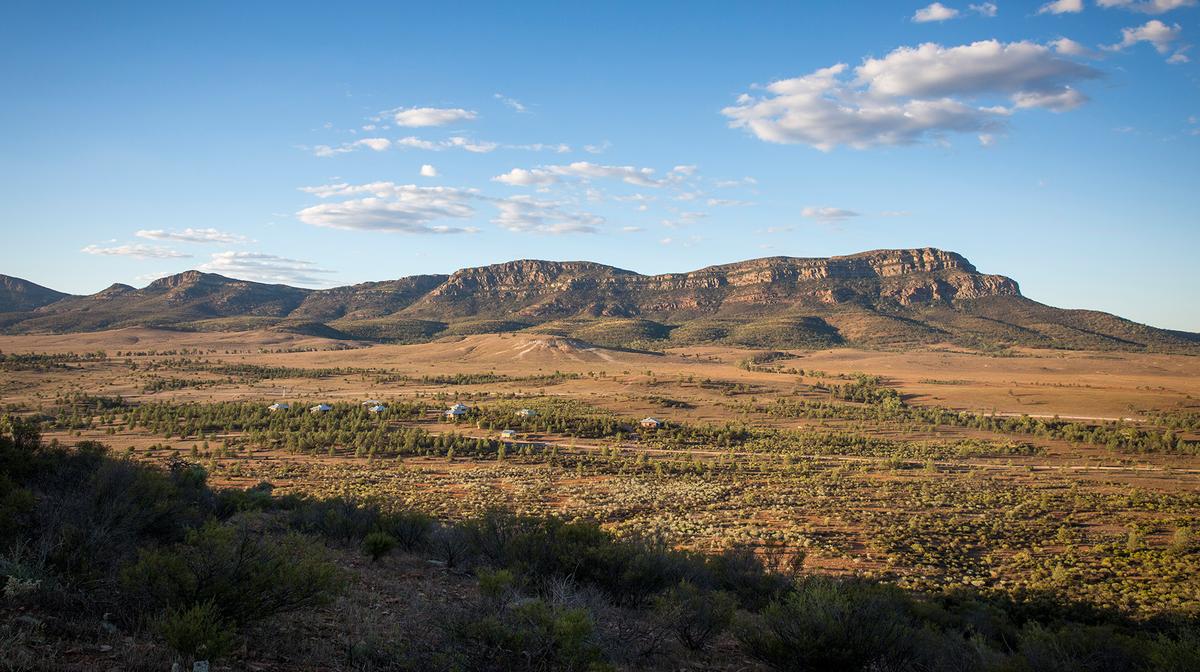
(882, 298)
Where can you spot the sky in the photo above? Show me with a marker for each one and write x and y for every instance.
(318, 145)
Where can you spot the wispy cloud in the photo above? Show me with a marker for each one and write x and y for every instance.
(511, 103)
(1147, 6)
(642, 177)
(828, 214)
(525, 214)
(261, 267)
(136, 251)
(192, 236)
(416, 117)
(386, 206)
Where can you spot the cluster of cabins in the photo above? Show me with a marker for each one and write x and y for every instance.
(371, 405)
(454, 412)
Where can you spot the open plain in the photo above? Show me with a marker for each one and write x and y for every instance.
(1067, 472)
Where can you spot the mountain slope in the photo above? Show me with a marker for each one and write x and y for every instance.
(890, 298)
(18, 295)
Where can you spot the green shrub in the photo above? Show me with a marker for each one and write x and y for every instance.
(696, 616)
(378, 544)
(197, 632)
(826, 624)
(411, 529)
(247, 575)
(531, 635)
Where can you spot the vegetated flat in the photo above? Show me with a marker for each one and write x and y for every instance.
(761, 446)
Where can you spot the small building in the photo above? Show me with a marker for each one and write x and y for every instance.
(377, 408)
(278, 406)
(508, 434)
(526, 413)
(372, 402)
(320, 408)
(651, 423)
(456, 411)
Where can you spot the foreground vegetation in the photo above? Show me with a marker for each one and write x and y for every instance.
(106, 559)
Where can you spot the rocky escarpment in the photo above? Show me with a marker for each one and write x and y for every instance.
(883, 297)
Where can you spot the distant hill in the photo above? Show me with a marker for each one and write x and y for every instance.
(891, 298)
(18, 295)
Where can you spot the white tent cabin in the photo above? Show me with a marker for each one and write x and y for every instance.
(651, 423)
(372, 402)
(508, 434)
(377, 408)
(526, 413)
(278, 406)
(456, 410)
(320, 408)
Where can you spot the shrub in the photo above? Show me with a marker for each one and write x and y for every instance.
(410, 528)
(378, 544)
(197, 632)
(826, 624)
(696, 616)
(531, 635)
(246, 575)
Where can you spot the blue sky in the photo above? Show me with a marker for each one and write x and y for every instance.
(286, 142)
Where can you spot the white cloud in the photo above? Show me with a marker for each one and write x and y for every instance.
(511, 103)
(136, 251)
(430, 116)
(1147, 6)
(598, 148)
(521, 177)
(827, 214)
(1069, 47)
(413, 142)
(557, 148)
(987, 139)
(1062, 7)
(192, 236)
(376, 144)
(428, 170)
(985, 67)
(1180, 56)
(1059, 101)
(387, 206)
(934, 12)
(265, 268)
(631, 229)
(1153, 31)
(585, 170)
(726, 202)
(910, 95)
(988, 9)
(524, 214)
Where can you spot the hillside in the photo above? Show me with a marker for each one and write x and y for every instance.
(19, 295)
(889, 298)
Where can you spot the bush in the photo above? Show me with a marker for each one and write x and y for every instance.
(827, 624)
(531, 635)
(378, 544)
(410, 528)
(246, 575)
(197, 632)
(696, 616)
